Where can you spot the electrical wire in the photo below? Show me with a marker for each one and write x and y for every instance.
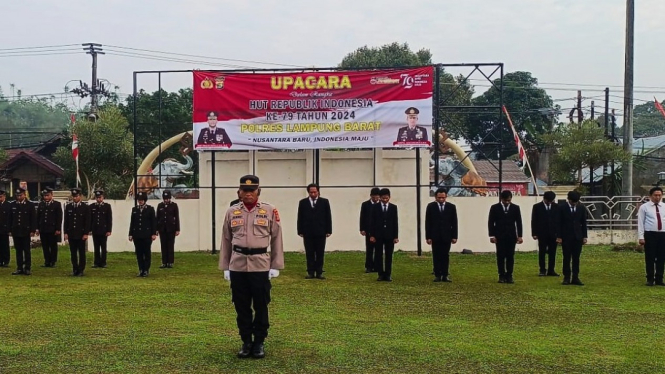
(46, 46)
(168, 59)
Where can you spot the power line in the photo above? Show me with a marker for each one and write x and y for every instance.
(46, 46)
(43, 54)
(172, 59)
(12, 53)
(206, 57)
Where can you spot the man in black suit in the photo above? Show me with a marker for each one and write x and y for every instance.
(23, 227)
(365, 216)
(441, 232)
(77, 228)
(101, 225)
(572, 236)
(505, 230)
(5, 226)
(384, 233)
(314, 226)
(544, 225)
(143, 231)
(49, 226)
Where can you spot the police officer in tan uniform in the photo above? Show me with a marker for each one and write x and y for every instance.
(250, 227)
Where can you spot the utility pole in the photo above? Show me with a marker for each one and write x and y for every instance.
(606, 124)
(580, 117)
(614, 139)
(593, 110)
(627, 168)
(96, 88)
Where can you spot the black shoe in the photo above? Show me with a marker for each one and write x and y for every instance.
(140, 274)
(509, 279)
(51, 265)
(95, 266)
(368, 270)
(309, 276)
(553, 274)
(388, 279)
(502, 279)
(245, 350)
(164, 266)
(80, 274)
(145, 274)
(18, 272)
(320, 276)
(446, 279)
(27, 272)
(566, 281)
(542, 273)
(650, 283)
(660, 283)
(380, 278)
(437, 279)
(258, 351)
(45, 265)
(577, 282)
(170, 266)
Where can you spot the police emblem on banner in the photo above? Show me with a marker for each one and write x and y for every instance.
(219, 137)
(206, 84)
(219, 82)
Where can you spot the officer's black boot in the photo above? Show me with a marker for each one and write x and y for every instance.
(245, 350)
(258, 351)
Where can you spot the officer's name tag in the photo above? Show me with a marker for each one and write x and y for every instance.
(237, 222)
(261, 222)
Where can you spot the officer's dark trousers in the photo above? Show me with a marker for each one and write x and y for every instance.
(251, 290)
(369, 254)
(572, 249)
(77, 252)
(547, 248)
(654, 255)
(505, 256)
(99, 243)
(5, 256)
(441, 257)
(315, 246)
(23, 256)
(143, 254)
(49, 247)
(167, 243)
(384, 246)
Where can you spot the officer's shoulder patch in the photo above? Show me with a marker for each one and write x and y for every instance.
(262, 211)
(237, 212)
(276, 214)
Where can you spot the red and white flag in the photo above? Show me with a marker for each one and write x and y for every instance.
(518, 143)
(75, 155)
(659, 106)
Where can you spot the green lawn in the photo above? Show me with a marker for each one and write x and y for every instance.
(181, 320)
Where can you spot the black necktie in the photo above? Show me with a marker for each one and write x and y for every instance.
(314, 203)
(548, 207)
(505, 209)
(385, 208)
(441, 207)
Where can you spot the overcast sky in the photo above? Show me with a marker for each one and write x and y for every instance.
(575, 42)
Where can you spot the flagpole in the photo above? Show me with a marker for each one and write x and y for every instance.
(526, 159)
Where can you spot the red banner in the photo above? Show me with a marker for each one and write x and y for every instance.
(340, 109)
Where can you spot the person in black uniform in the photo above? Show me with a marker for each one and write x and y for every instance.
(384, 233)
(412, 132)
(5, 225)
(365, 219)
(101, 226)
(212, 134)
(143, 231)
(441, 232)
(314, 225)
(572, 236)
(77, 227)
(49, 226)
(168, 227)
(544, 226)
(23, 227)
(505, 230)
(236, 201)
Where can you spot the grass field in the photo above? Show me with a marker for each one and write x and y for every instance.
(181, 320)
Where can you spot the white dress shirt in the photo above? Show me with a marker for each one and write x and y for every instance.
(647, 219)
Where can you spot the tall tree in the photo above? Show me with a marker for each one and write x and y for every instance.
(578, 147)
(26, 122)
(647, 120)
(528, 106)
(106, 156)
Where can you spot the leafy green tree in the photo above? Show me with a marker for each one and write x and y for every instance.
(106, 156)
(3, 156)
(578, 147)
(647, 120)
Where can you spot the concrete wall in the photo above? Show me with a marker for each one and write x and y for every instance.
(284, 176)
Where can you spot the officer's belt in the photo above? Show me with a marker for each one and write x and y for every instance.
(250, 251)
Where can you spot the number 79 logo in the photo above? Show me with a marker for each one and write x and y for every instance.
(407, 80)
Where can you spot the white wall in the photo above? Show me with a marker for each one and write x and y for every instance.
(284, 176)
